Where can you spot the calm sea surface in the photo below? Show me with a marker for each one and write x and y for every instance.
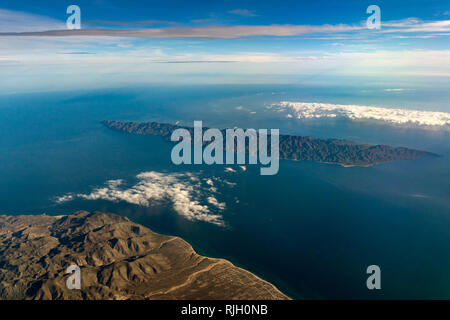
(312, 229)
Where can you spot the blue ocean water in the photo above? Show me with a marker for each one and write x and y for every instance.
(312, 229)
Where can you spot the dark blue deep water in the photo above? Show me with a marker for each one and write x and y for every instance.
(312, 229)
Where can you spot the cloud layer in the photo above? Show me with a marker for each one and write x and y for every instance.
(312, 110)
(16, 21)
(191, 196)
(214, 32)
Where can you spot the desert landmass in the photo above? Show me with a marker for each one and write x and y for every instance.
(118, 259)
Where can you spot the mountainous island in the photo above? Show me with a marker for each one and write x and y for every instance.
(335, 151)
(118, 259)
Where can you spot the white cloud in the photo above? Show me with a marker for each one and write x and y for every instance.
(184, 191)
(243, 12)
(64, 198)
(415, 25)
(396, 90)
(227, 32)
(209, 32)
(116, 58)
(24, 24)
(16, 21)
(229, 183)
(32, 51)
(312, 110)
(217, 204)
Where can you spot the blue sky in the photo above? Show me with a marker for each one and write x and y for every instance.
(260, 12)
(138, 42)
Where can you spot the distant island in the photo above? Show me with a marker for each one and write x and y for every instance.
(118, 259)
(333, 151)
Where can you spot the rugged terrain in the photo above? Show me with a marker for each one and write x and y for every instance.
(343, 152)
(118, 259)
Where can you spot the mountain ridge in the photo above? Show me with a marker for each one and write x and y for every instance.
(298, 148)
(118, 260)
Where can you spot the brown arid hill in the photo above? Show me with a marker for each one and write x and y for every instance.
(118, 259)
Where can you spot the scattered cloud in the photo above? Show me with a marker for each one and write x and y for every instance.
(209, 19)
(311, 110)
(397, 90)
(39, 45)
(243, 12)
(209, 32)
(415, 25)
(193, 61)
(127, 23)
(77, 52)
(442, 13)
(217, 204)
(418, 195)
(16, 21)
(187, 193)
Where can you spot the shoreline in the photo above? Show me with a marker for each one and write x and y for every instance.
(97, 242)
